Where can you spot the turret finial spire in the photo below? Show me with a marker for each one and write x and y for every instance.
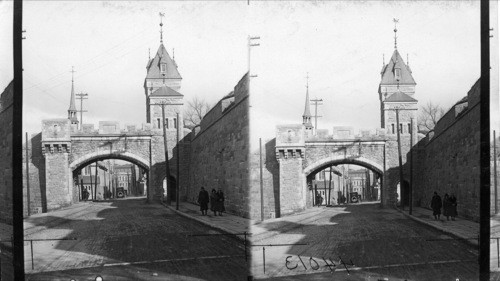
(72, 108)
(161, 27)
(307, 81)
(383, 60)
(396, 21)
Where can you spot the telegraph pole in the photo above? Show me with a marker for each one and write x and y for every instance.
(81, 97)
(178, 164)
(316, 116)
(250, 45)
(400, 160)
(411, 165)
(167, 169)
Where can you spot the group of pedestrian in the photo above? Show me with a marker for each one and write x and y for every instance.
(448, 203)
(216, 200)
(319, 199)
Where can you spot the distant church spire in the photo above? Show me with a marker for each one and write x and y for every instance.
(306, 118)
(395, 33)
(161, 27)
(72, 107)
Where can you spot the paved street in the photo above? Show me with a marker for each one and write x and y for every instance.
(380, 243)
(128, 240)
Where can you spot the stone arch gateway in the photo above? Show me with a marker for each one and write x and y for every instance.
(300, 154)
(66, 149)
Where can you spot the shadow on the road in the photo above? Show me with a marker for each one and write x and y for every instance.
(382, 241)
(124, 234)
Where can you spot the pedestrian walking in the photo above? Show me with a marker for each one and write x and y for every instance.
(453, 208)
(221, 199)
(203, 199)
(446, 206)
(85, 194)
(214, 198)
(436, 205)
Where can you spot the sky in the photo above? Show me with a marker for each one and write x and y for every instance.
(339, 45)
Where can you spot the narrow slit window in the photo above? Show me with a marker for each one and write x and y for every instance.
(392, 128)
(166, 122)
(175, 123)
(158, 123)
(409, 128)
(400, 128)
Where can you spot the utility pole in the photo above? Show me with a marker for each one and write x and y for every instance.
(330, 186)
(400, 160)
(28, 199)
(411, 165)
(316, 103)
(250, 45)
(167, 168)
(81, 97)
(494, 170)
(178, 164)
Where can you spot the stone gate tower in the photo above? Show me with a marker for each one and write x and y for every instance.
(161, 86)
(396, 91)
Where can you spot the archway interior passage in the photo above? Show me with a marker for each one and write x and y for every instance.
(109, 177)
(344, 182)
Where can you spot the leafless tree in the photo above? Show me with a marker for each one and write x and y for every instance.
(429, 116)
(194, 112)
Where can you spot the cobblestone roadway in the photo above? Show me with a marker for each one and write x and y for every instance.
(382, 243)
(134, 240)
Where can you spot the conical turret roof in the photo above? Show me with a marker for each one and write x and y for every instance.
(389, 71)
(154, 65)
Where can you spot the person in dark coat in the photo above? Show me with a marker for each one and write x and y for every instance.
(203, 199)
(436, 205)
(453, 208)
(220, 197)
(446, 206)
(214, 198)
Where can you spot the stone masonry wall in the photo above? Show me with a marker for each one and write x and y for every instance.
(6, 118)
(270, 180)
(220, 151)
(449, 161)
(291, 178)
(36, 182)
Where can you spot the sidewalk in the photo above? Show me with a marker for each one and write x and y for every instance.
(226, 223)
(460, 227)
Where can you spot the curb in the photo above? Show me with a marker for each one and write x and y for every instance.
(220, 228)
(465, 239)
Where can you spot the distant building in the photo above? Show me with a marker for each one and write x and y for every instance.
(127, 177)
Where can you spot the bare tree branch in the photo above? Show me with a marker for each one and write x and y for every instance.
(429, 116)
(195, 111)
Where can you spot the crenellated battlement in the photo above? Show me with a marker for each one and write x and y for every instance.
(341, 133)
(115, 128)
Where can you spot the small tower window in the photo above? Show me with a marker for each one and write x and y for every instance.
(397, 73)
(163, 68)
(158, 123)
(400, 128)
(409, 128)
(166, 122)
(392, 128)
(175, 123)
